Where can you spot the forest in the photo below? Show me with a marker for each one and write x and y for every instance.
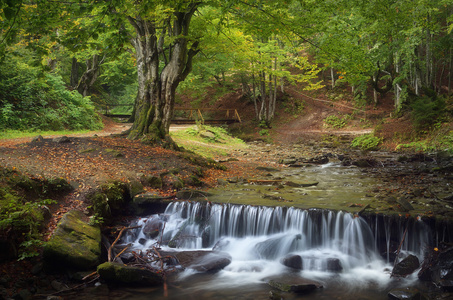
(61, 61)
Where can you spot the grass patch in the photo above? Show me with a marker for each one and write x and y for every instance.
(14, 134)
(207, 141)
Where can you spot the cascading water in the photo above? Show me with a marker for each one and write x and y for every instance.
(335, 247)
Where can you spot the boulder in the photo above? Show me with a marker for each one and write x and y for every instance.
(406, 294)
(152, 227)
(201, 261)
(146, 203)
(365, 163)
(405, 205)
(270, 248)
(293, 261)
(74, 243)
(334, 265)
(127, 275)
(407, 266)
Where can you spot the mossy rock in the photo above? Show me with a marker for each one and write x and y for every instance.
(126, 275)
(74, 244)
(110, 200)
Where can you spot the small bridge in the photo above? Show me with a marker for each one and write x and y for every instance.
(189, 115)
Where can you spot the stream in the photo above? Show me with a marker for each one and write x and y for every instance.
(347, 254)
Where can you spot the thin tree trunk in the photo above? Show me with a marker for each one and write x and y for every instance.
(74, 73)
(332, 75)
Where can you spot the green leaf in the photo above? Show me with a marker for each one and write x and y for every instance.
(9, 13)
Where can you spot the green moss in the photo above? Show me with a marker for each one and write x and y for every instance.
(74, 243)
(127, 275)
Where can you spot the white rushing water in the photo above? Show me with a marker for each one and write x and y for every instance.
(339, 250)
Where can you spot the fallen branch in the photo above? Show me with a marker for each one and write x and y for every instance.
(399, 248)
(109, 256)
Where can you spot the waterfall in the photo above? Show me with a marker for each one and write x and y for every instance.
(320, 237)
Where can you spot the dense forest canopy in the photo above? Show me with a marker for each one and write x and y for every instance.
(142, 52)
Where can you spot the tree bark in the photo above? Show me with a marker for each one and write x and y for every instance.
(89, 77)
(155, 99)
(74, 73)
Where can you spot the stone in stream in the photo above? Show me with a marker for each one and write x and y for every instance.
(438, 268)
(407, 266)
(293, 261)
(201, 261)
(127, 275)
(406, 294)
(152, 227)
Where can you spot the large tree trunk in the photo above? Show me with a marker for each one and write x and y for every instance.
(156, 89)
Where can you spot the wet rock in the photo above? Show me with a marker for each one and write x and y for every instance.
(319, 160)
(58, 286)
(148, 203)
(212, 262)
(127, 275)
(74, 243)
(293, 261)
(301, 184)
(267, 169)
(269, 248)
(407, 266)
(334, 265)
(201, 261)
(300, 285)
(275, 295)
(153, 227)
(287, 161)
(438, 268)
(365, 163)
(406, 294)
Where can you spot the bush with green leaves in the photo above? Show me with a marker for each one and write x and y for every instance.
(34, 99)
(427, 110)
(335, 121)
(366, 142)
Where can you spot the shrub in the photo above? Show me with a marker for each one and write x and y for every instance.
(34, 100)
(426, 111)
(366, 142)
(335, 121)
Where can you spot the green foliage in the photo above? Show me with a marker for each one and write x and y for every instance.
(31, 99)
(426, 111)
(336, 121)
(366, 142)
(264, 132)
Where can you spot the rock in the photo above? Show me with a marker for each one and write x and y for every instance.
(147, 203)
(201, 261)
(300, 286)
(438, 267)
(267, 169)
(269, 249)
(152, 227)
(365, 163)
(58, 286)
(61, 140)
(293, 261)
(407, 266)
(334, 265)
(127, 275)
(211, 262)
(25, 294)
(287, 161)
(319, 160)
(275, 295)
(37, 139)
(135, 187)
(222, 182)
(406, 294)
(405, 204)
(74, 243)
(301, 184)
(207, 134)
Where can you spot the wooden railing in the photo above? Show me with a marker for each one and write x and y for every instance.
(193, 115)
